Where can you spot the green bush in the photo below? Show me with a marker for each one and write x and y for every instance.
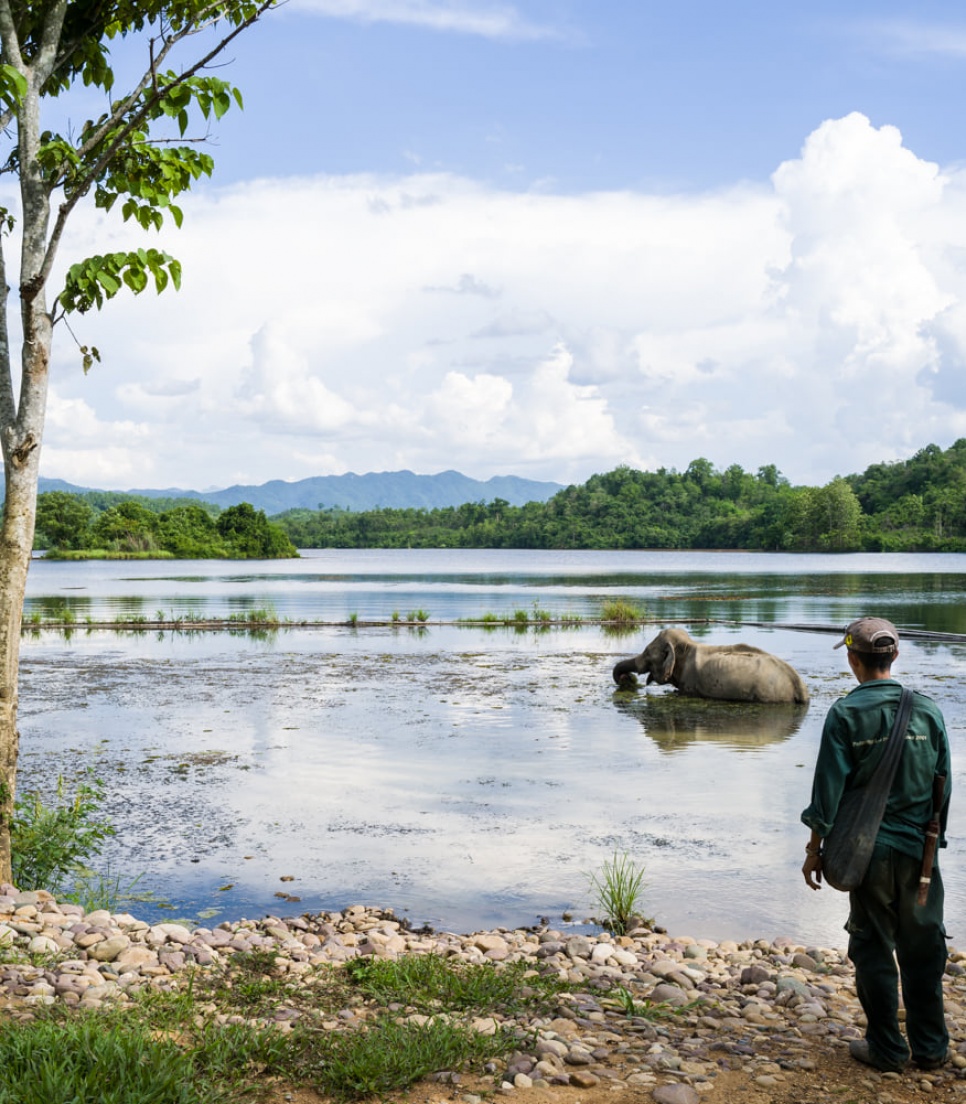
(50, 842)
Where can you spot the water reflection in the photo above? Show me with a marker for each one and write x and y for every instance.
(673, 721)
(922, 592)
(467, 777)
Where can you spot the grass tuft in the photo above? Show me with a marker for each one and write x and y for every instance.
(622, 611)
(429, 982)
(392, 1054)
(617, 889)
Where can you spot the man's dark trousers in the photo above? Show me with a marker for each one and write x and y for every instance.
(884, 918)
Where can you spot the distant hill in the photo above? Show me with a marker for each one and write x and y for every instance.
(400, 489)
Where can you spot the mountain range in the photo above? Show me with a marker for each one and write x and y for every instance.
(399, 489)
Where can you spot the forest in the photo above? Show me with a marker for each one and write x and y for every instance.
(915, 505)
(110, 525)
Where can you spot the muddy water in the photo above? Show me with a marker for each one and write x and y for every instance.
(468, 778)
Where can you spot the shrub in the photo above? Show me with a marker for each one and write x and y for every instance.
(49, 842)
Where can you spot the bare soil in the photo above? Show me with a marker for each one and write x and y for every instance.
(836, 1078)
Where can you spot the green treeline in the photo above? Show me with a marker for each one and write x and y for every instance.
(112, 525)
(916, 505)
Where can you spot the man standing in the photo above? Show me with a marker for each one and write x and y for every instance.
(885, 922)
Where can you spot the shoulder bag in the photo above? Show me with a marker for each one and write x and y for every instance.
(847, 849)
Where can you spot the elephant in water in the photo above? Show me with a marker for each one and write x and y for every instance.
(729, 672)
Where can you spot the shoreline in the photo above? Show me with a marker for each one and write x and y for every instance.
(647, 1010)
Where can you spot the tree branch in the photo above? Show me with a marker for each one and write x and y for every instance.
(8, 37)
(138, 116)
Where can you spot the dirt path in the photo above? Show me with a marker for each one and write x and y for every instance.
(835, 1078)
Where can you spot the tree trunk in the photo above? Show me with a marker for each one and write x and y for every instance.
(21, 431)
(16, 537)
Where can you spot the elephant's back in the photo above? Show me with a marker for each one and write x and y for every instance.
(749, 674)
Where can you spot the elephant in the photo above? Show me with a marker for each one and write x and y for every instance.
(729, 672)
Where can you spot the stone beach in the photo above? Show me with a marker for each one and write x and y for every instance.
(770, 1009)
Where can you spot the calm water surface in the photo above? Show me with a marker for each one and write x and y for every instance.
(466, 777)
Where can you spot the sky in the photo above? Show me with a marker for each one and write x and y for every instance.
(546, 238)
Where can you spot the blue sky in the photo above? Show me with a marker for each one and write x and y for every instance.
(545, 238)
(583, 96)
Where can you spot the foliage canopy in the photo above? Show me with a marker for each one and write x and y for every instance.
(917, 505)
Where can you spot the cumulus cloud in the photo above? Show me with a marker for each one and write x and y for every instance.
(815, 320)
(85, 450)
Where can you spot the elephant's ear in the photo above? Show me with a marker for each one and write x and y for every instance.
(667, 663)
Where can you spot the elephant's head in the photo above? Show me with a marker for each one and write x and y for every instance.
(656, 661)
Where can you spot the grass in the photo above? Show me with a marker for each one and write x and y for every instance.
(264, 616)
(48, 1061)
(214, 1039)
(104, 890)
(520, 619)
(622, 611)
(393, 1054)
(429, 983)
(645, 1010)
(617, 889)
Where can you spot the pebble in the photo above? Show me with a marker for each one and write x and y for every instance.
(698, 1008)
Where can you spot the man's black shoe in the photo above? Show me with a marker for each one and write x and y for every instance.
(859, 1049)
(931, 1063)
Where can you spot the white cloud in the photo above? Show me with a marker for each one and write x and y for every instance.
(816, 321)
(917, 38)
(280, 392)
(86, 451)
(486, 20)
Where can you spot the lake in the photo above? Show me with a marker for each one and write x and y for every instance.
(466, 776)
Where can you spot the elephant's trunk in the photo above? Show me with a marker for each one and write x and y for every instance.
(625, 672)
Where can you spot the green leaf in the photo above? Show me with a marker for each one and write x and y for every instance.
(13, 85)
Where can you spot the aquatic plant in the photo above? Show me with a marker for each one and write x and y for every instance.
(108, 890)
(622, 611)
(617, 889)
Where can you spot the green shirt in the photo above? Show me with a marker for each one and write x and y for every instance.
(854, 737)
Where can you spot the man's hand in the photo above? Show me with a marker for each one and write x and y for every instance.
(812, 871)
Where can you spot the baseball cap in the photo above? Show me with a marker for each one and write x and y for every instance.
(870, 634)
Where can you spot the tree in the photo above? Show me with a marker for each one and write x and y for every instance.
(63, 520)
(136, 152)
(250, 535)
(127, 527)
